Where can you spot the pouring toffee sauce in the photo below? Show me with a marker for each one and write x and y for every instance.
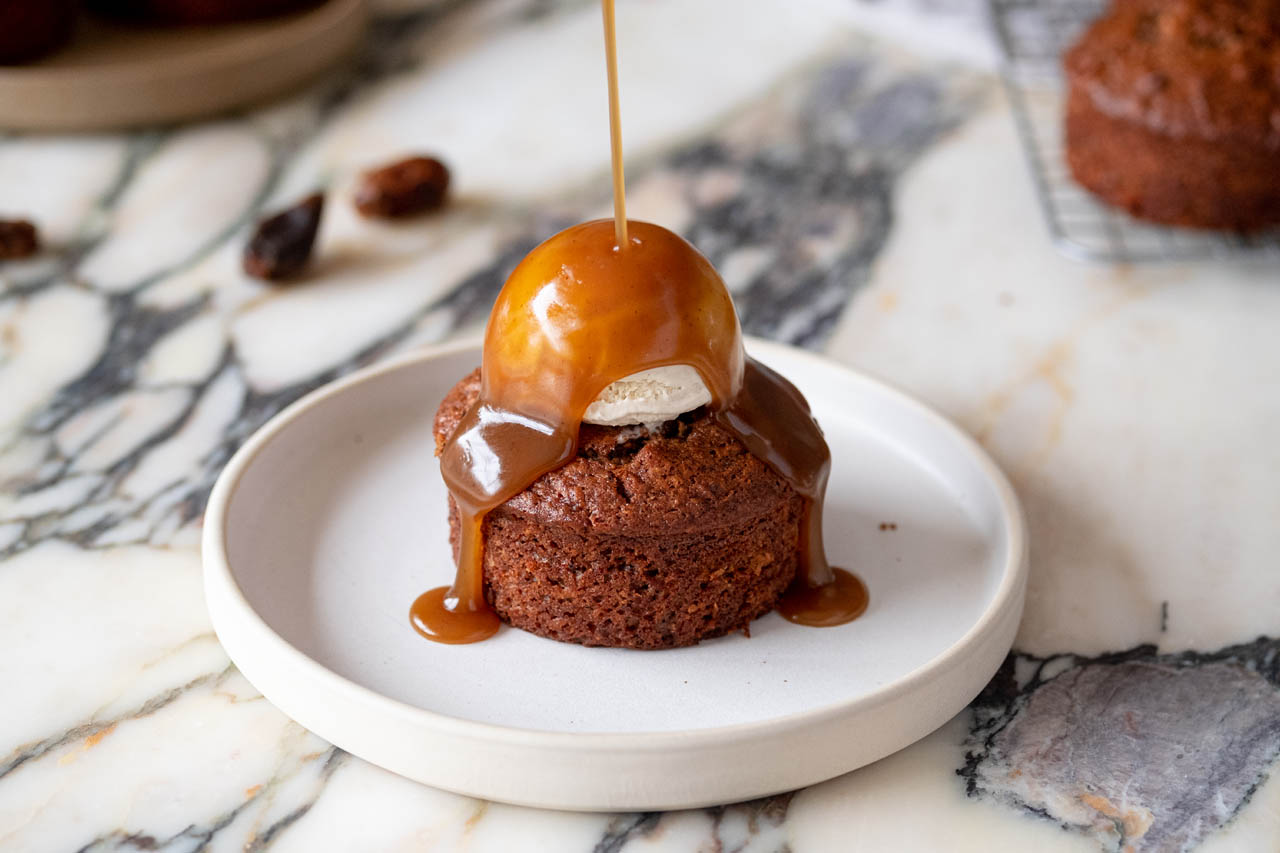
(596, 303)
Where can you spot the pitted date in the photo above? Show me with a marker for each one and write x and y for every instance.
(407, 188)
(281, 246)
(18, 239)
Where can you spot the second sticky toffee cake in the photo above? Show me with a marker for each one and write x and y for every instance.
(647, 539)
(1173, 111)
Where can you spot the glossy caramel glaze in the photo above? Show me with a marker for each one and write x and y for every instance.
(576, 315)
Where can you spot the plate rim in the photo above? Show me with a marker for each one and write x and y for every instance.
(219, 578)
(203, 81)
(304, 25)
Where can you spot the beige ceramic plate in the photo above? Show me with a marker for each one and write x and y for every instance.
(115, 76)
(330, 520)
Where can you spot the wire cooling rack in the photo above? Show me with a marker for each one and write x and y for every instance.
(1033, 35)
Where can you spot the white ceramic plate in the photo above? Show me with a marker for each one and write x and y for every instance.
(328, 522)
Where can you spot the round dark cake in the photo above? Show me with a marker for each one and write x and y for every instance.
(196, 11)
(29, 29)
(646, 540)
(1173, 111)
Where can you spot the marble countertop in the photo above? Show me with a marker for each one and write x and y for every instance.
(853, 170)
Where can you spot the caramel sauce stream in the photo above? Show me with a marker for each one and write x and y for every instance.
(615, 124)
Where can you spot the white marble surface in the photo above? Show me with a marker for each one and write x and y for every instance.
(854, 171)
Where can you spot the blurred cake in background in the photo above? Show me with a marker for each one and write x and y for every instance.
(29, 29)
(1173, 111)
(651, 537)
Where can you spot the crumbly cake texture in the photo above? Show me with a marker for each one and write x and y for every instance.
(645, 540)
(1173, 111)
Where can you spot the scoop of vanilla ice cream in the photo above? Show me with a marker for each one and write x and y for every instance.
(649, 397)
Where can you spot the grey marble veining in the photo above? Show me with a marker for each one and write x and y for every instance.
(200, 836)
(1141, 751)
(733, 828)
(811, 200)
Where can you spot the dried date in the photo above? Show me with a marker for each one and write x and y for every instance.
(406, 188)
(281, 246)
(18, 239)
